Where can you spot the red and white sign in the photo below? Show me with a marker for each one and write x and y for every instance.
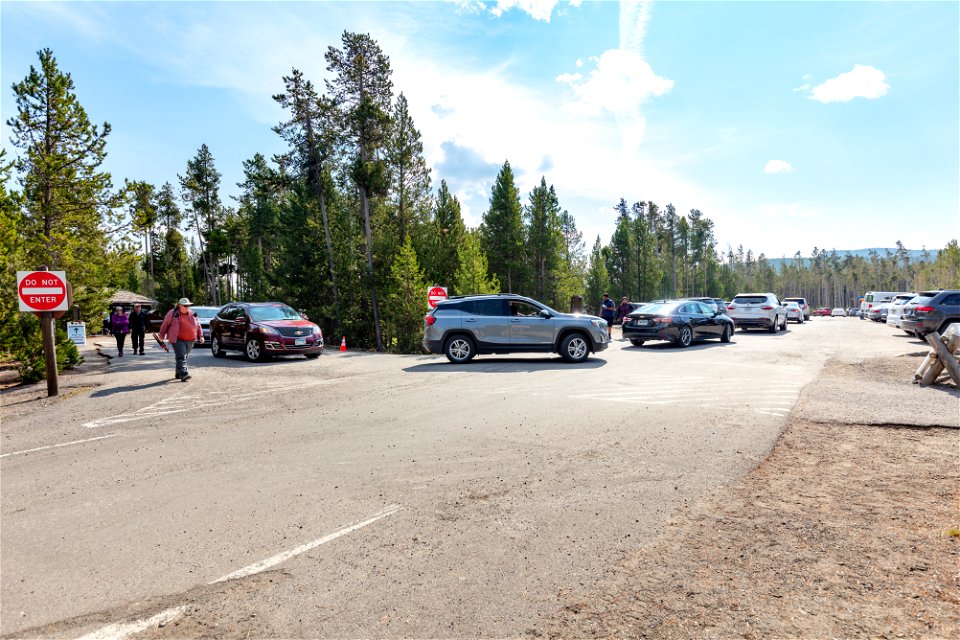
(42, 290)
(435, 295)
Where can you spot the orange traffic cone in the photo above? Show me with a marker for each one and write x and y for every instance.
(343, 343)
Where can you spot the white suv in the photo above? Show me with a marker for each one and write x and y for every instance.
(762, 310)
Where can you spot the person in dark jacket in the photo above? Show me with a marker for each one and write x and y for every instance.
(138, 327)
(120, 327)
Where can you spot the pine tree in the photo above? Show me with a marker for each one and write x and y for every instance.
(598, 281)
(143, 215)
(409, 199)
(67, 200)
(473, 276)
(312, 135)
(406, 302)
(544, 241)
(259, 214)
(200, 188)
(502, 231)
(447, 232)
(362, 90)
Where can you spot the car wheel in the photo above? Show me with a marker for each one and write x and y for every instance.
(636, 343)
(459, 349)
(253, 350)
(216, 348)
(575, 348)
(685, 337)
(744, 328)
(783, 327)
(776, 324)
(725, 336)
(800, 320)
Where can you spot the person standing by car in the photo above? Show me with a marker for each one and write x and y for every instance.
(183, 329)
(119, 327)
(624, 308)
(608, 311)
(138, 328)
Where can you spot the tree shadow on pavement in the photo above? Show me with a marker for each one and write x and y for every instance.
(134, 387)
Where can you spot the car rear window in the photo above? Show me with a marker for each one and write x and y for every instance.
(656, 307)
(750, 299)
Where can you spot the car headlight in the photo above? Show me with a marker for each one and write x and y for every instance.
(270, 331)
(600, 324)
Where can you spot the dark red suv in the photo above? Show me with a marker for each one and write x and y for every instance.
(262, 329)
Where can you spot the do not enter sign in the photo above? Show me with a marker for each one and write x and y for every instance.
(435, 295)
(42, 290)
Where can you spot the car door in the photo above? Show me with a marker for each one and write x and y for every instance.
(224, 325)
(712, 326)
(489, 324)
(691, 312)
(528, 327)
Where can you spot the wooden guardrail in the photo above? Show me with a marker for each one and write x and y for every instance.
(943, 356)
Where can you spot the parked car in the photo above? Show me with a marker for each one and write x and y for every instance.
(896, 308)
(263, 329)
(715, 303)
(822, 311)
(872, 299)
(931, 311)
(205, 315)
(463, 326)
(838, 313)
(794, 311)
(763, 310)
(802, 302)
(679, 321)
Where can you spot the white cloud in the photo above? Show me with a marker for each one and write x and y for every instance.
(860, 82)
(620, 82)
(777, 166)
(569, 78)
(537, 9)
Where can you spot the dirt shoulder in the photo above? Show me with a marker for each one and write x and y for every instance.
(845, 530)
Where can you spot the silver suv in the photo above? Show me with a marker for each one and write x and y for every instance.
(463, 326)
(763, 310)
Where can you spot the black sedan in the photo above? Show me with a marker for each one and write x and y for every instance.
(680, 322)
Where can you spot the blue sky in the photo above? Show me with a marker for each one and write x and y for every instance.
(791, 125)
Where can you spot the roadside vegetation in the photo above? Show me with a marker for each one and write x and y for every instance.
(350, 225)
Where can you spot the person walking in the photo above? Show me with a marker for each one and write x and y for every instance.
(608, 311)
(119, 327)
(623, 310)
(138, 328)
(182, 328)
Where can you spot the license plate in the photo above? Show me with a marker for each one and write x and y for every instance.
(641, 323)
(300, 341)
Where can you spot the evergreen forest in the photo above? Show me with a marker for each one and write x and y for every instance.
(351, 226)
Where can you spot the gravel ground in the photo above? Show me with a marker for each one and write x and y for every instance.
(845, 530)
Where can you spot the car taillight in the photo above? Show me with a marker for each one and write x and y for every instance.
(923, 309)
(662, 320)
(767, 308)
(731, 307)
(430, 320)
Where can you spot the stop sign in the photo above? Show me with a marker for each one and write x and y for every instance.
(435, 295)
(42, 290)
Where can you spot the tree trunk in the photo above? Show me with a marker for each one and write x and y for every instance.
(330, 262)
(373, 288)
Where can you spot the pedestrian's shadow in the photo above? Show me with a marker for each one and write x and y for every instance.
(133, 387)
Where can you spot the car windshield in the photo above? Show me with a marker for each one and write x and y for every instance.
(206, 312)
(657, 307)
(273, 312)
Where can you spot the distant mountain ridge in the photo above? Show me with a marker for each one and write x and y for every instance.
(916, 255)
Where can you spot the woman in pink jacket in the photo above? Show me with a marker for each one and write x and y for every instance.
(182, 328)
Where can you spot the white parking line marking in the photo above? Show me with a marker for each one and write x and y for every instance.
(257, 567)
(54, 446)
(121, 630)
(176, 404)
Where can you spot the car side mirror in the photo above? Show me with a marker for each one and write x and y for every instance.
(545, 314)
(241, 318)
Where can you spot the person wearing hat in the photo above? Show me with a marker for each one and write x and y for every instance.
(119, 327)
(182, 328)
(608, 311)
(138, 328)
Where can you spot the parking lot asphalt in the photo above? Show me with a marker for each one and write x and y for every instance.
(398, 495)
